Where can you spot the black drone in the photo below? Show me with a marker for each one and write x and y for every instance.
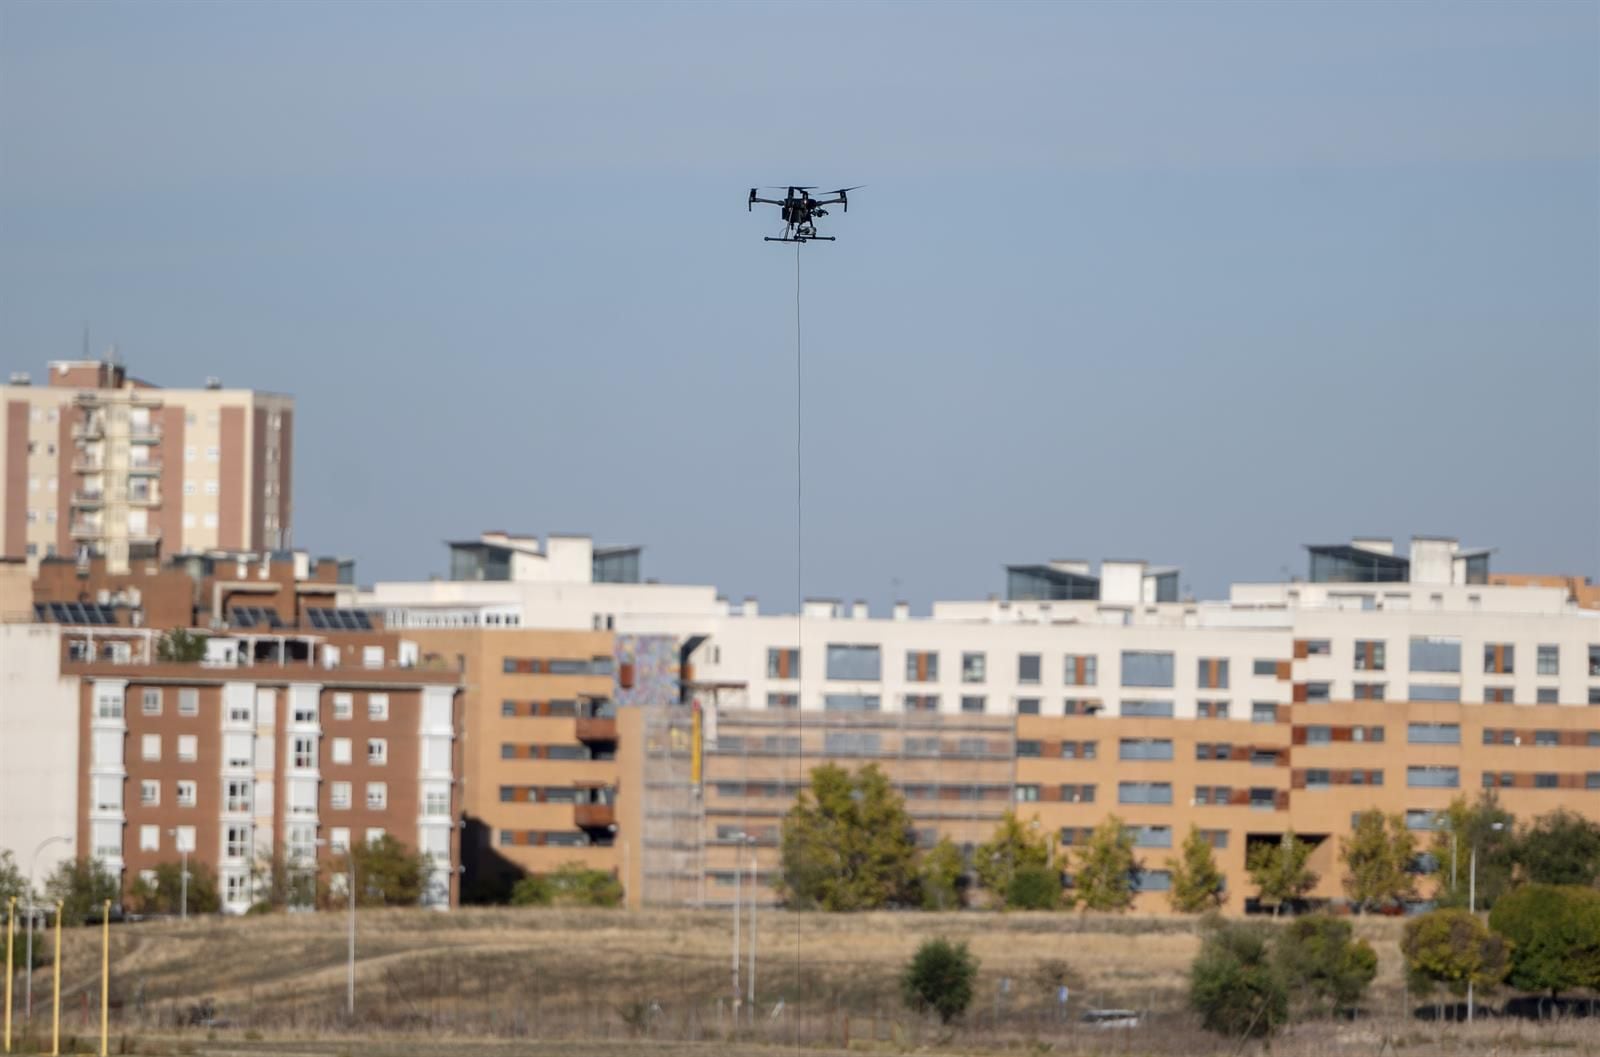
(800, 212)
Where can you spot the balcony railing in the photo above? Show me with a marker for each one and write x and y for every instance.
(597, 729)
(86, 530)
(151, 466)
(144, 434)
(594, 816)
(82, 498)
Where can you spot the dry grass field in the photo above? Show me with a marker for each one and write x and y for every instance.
(498, 982)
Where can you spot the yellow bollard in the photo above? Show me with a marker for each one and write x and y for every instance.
(55, 1025)
(105, 975)
(11, 942)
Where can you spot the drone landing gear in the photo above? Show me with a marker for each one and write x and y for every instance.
(803, 238)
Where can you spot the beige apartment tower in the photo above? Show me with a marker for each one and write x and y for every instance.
(100, 463)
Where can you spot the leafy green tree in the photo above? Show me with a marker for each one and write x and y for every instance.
(1555, 936)
(571, 884)
(1279, 871)
(1560, 848)
(12, 884)
(1325, 968)
(1035, 888)
(1106, 871)
(848, 844)
(940, 977)
(1234, 983)
(82, 886)
(1377, 859)
(388, 873)
(942, 876)
(1197, 884)
(1016, 846)
(182, 646)
(1452, 948)
(164, 893)
(1461, 827)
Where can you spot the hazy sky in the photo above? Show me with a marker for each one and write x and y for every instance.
(1198, 283)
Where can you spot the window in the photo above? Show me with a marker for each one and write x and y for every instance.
(1028, 669)
(1546, 781)
(188, 748)
(1594, 661)
(1212, 709)
(339, 839)
(1546, 737)
(240, 712)
(1213, 673)
(1369, 692)
(1263, 666)
(1079, 669)
(972, 703)
(1077, 794)
(1263, 799)
(339, 796)
(1145, 749)
(1319, 735)
(108, 704)
(1151, 836)
(1027, 748)
(1499, 658)
(1080, 706)
(854, 662)
(1547, 695)
(1213, 751)
(1217, 838)
(305, 752)
(378, 706)
(1144, 792)
(851, 703)
(150, 747)
(236, 842)
(922, 666)
(1433, 777)
(305, 711)
(1027, 794)
(150, 792)
(1319, 693)
(185, 792)
(188, 701)
(1318, 647)
(1027, 706)
(1434, 734)
(973, 668)
(339, 750)
(1318, 779)
(150, 701)
(1369, 655)
(1497, 695)
(377, 796)
(783, 663)
(1435, 654)
(236, 792)
(567, 752)
(920, 702)
(1145, 668)
(1263, 757)
(377, 751)
(1549, 661)
(1263, 712)
(783, 700)
(149, 838)
(1215, 795)
(1160, 709)
(211, 488)
(1424, 692)
(343, 705)
(1079, 750)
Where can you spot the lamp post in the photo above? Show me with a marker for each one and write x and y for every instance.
(350, 961)
(750, 984)
(738, 874)
(33, 910)
(1472, 900)
(183, 881)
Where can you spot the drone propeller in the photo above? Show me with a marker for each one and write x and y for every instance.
(844, 201)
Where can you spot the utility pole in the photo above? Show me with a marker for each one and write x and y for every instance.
(350, 969)
(751, 983)
(737, 875)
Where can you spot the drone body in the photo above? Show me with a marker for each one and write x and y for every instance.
(800, 212)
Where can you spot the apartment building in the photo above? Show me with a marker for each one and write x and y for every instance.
(98, 462)
(1381, 680)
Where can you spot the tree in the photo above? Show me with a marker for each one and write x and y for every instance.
(1377, 857)
(1107, 871)
(1560, 848)
(1015, 847)
(1197, 884)
(1452, 948)
(82, 886)
(1555, 936)
(1462, 827)
(12, 884)
(388, 873)
(848, 843)
(181, 646)
(940, 977)
(1034, 887)
(1324, 967)
(164, 893)
(570, 884)
(1234, 984)
(1279, 871)
(942, 876)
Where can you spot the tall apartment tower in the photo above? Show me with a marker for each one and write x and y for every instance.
(97, 462)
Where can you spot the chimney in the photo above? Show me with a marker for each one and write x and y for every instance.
(752, 608)
(859, 610)
(21, 378)
(902, 610)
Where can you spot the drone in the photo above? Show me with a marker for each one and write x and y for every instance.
(800, 212)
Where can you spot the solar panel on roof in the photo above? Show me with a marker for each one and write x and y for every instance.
(340, 619)
(255, 617)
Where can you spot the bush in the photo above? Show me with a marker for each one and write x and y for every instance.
(940, 977)
(1234, 984)
(942, 876)
(1555, 936)
(1034, 888)
(1323, 966)
(571, 884)
(1452, 947)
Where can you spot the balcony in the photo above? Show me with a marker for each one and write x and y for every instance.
(150, 466)
(87, 530)
(594, 816)
(82, 463)
(597, 729)
(146, 434)
(88, 498)
(93, 429)
(144, 499)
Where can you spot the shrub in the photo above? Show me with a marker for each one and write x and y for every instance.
(1555, 936)
(1034, 887)
(942, 876)
(1452, 947)
(1323, 966)
(1234, 985)
(571, 884)
(940, 977)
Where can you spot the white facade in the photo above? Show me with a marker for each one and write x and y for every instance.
(38, 747)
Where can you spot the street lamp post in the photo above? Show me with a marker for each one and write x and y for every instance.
(350, 961)
(751, 983)
(1472, 900)
(183, 881)
(33, 911)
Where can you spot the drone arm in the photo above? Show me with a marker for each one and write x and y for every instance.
(767, 201)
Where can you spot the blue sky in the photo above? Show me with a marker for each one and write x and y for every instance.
(1194, 282)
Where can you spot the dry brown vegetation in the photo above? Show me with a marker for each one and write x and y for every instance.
(527, 981)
